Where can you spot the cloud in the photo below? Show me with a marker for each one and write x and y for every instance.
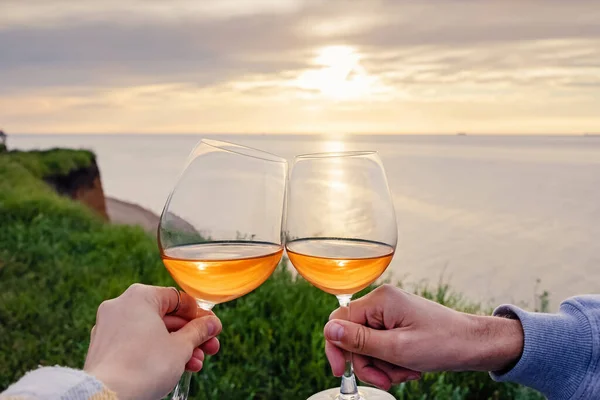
(14, 13)
(115, 54)
(474, 60)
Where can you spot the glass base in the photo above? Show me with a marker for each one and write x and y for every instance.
(365, 393)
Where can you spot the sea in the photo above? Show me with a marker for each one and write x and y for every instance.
(499, 218)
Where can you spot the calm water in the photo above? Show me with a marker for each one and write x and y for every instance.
(490, 215)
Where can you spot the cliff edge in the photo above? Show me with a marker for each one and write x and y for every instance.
(82, 184)
(72, 173)
(75, 174)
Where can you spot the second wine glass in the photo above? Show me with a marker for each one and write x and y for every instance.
(220, 231)
(341, 234)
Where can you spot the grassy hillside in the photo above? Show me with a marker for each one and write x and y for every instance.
(45, 163)
(58, 261)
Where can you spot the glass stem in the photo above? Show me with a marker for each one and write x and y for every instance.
(182, 389)
(348, 389)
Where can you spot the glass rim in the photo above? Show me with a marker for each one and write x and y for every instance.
(356, 153)
(258, 154)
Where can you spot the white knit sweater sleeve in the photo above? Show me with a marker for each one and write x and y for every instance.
(57, 383)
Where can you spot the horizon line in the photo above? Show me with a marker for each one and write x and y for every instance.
(461, 133)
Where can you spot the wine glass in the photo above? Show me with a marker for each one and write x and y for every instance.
(341, 234)
(220, 230)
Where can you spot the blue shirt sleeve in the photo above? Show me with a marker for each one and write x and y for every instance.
(561, 353)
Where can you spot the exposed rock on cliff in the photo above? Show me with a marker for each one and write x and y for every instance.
(82, 184)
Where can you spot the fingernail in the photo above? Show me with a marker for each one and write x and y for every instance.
(334, 331)
(413, 377)
(211, 327)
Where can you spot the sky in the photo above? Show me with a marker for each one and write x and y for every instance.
(294, 66)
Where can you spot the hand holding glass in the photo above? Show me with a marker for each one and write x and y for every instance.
(220, 231)
(341, 234)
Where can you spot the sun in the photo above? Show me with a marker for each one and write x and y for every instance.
(338, 74)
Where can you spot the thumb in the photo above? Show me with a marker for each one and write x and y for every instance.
(360, 339)
(198, 331)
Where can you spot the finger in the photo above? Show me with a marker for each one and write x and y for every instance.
(198, 331)
(367, 372)
(336, 358)
(194, 365)
(174, 323)
(355, 313)
(211, 346)
(168, 299)
(360, 339)
(198, 354)
(92, 333)
(396, 373)
(339, 313)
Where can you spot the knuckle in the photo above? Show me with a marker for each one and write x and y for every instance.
(381, 292)
(135, 289)
(138, 292)
(105, 308)
(392, 295)
(360, 338)
(388, 289)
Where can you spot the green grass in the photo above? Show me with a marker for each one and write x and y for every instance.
(46, 163)
(58, 261)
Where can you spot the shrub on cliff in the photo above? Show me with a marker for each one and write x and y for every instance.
(58, 261)
(53, 162)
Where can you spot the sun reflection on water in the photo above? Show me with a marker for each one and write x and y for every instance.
(334, 146)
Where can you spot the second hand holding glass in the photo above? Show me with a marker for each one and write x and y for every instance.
(341, 234)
